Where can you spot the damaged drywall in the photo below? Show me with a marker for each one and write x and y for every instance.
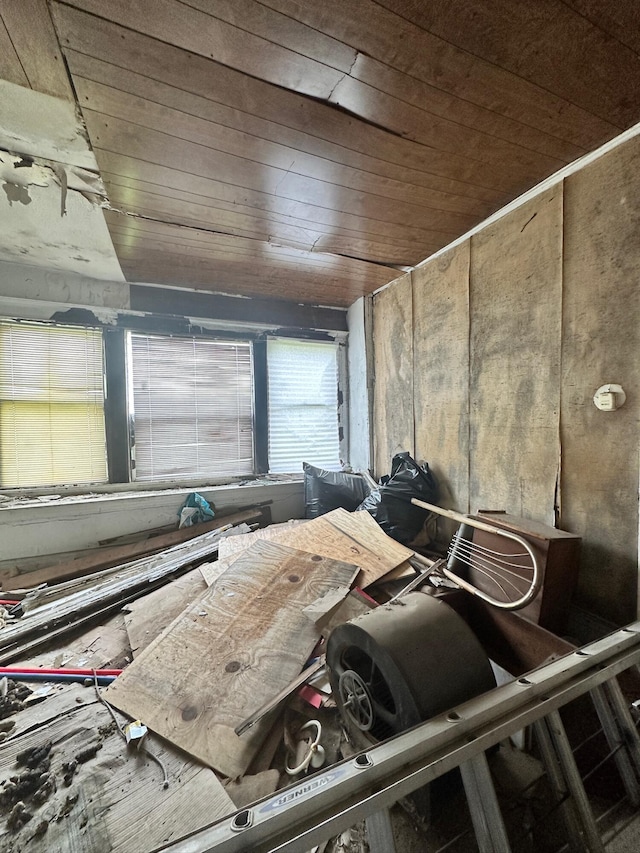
(51, 192)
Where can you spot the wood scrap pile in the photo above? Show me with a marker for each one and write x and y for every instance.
(205, 653)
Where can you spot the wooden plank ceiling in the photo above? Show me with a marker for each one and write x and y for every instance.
(310, 150)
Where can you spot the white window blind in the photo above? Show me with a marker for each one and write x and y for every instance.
(303, 405)
(192, 402)
(51, 406)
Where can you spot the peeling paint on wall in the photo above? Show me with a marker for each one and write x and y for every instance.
(18, 172)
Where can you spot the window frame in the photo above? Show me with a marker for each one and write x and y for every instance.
(118, 422)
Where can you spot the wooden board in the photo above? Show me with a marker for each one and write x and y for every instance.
(212, 571)
(239, 645)
(516, 320)
(441, 375)
(393, 419)
(35, 42)
(236, 544)
(600, 344)
(121, 802)
(555, 47)
(104, 558)
(353, 537)
(101, 646)
(10, 68)
(450, 68)
(146, 618)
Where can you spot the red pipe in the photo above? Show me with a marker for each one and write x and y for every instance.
(9, 602)
(7, 670)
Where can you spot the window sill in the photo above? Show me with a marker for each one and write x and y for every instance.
(12, 498)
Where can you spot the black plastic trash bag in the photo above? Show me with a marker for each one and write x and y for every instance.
(327, 490)
(390, 504)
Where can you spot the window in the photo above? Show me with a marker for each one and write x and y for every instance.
(52, 428)
(175, 408)
(303, 405)
(191, 400)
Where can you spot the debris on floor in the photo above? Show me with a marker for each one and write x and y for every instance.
(201, 683)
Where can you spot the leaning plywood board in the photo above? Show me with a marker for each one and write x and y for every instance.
(147, 617)
(393, 418)
(232, 650)
(441, 375)
(116, 800)
(353, 537)
(515, 352)
(601, 342)
(241, 541)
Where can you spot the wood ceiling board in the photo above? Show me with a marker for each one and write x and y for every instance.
(183, 26)
(445, 135)
(211, 269)
(127, 138)
(132, 242)
(619, 19)
(35, 42)
(464, 113)
(225, 263)
(137, 236)
(86, 70)
(249, 638)
(290, 33)
(308, 291)
(163, 208)
(157, 106)
(156, 115)
(321, 126)
(10, 67)
(379, 33)
(546, 43)
(246, 271)
(128, 170)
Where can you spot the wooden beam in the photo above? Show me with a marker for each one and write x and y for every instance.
(105, 558)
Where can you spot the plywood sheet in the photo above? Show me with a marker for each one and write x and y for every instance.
(121, 804)
(516, 310)
(441, 375)
(601, 342)
(351, 537)
(98, 647)
(147, 617)
(393, 426)
(212, 571)
(236, 544)
(232, 650)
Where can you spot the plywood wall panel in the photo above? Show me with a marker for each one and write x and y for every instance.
(601, 344)
(516, 305)
(393, 367)
(441, 372)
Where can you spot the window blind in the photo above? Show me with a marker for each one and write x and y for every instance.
(51, 406)
(192, 405)
(303, 405)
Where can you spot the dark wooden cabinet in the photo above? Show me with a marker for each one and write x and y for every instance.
(557, 553)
